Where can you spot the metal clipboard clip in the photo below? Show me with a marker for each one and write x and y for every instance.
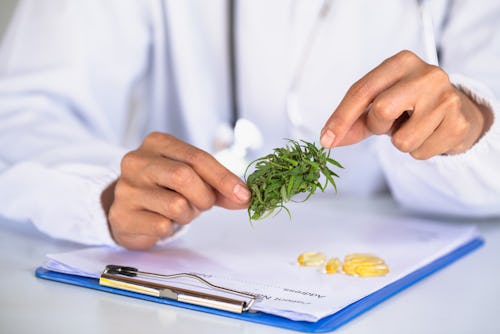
(129, 278)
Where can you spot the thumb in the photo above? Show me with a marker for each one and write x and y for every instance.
(241, 192)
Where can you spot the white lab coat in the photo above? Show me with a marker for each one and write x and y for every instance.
(71, 70)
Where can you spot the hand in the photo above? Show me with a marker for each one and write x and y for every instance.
(165, 182)
(413, 102)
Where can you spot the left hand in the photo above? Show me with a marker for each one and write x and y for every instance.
(165, 182)
(413, 102)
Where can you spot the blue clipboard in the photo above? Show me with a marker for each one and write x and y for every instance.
(326, 324)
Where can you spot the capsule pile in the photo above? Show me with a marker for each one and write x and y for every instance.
(355, 264)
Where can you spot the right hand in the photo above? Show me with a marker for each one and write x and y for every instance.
(165, 182)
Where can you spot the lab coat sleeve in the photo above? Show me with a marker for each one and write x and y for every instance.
(468, 184)
(66, 71)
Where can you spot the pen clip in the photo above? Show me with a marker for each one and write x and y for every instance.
(128, 278)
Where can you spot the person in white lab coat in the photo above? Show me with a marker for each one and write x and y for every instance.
(110, 110)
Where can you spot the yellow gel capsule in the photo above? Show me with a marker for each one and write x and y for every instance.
(372, 270)
(364, 265)
(359, 257)
(356, 255)
(349, 268)
(372, 262)
(311, 259)
(332, 266)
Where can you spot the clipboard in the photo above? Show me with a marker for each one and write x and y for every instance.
(327, 324)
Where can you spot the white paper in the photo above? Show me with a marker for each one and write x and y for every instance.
(260, 258)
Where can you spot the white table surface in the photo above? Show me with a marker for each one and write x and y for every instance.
(462, 298)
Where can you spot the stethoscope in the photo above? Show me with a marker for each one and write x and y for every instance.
(233, 140)
(236, 138)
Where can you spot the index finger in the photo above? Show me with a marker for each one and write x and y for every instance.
(360, 95)
(233, 190)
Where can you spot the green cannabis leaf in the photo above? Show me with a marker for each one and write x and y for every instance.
(290, 170)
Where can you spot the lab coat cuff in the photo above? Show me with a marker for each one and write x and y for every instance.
(480, 94)
(100, 227)
(476, 91)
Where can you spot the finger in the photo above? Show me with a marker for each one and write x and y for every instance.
(388, 107)
(184, 180)
(439, 142)
(142, 169)
(169, 204)
(230, 186)
(138, 222)
(358, 132)
(362, 93)
(228, 203)
(415, 130)
(444, 119)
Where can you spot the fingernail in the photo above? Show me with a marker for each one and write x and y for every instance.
(242, 193)
(327, 138)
